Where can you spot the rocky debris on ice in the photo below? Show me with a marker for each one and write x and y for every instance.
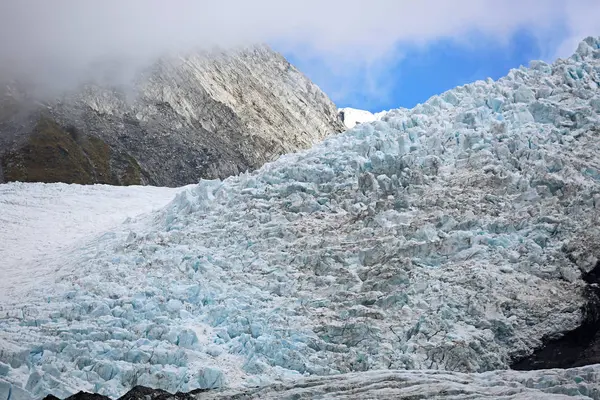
(580, 383)
(578, 347)
(452, 236)
(352, 117)
(137, 393)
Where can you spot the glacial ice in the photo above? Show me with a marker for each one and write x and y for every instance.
(430, 384)
(450, 237)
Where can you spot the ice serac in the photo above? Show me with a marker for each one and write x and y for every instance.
(201, 115)
(451, 237)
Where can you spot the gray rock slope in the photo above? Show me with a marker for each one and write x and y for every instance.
(198, 116)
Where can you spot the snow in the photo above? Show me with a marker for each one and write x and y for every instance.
(40, 221)
(352, 116)
(448, 237)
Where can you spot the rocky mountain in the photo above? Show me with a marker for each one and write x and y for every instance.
(203, 115)
(451, 241)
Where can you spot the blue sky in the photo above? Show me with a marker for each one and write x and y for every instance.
(423, 71)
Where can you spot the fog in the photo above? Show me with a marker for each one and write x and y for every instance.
(61, 42)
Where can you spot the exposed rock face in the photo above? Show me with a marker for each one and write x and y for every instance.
(200, 116)
(578, 347)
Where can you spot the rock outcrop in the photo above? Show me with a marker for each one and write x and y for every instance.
(205, 116)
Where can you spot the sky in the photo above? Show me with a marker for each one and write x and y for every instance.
(424, 72)
(369, 54)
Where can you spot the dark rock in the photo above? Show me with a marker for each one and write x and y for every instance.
(87, 396)
(137, 393)
(142, 392)
(577, 348)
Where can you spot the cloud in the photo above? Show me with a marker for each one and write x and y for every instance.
(582, 19)
(61, 40)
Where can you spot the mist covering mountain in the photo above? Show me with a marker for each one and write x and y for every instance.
(200, 115)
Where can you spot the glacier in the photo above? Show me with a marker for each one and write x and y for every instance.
(581, 383)
(452, 237)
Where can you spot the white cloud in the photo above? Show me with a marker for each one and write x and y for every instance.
(58, 39)
(582, 18)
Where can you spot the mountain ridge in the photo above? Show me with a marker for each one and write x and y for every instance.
(200, 115)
